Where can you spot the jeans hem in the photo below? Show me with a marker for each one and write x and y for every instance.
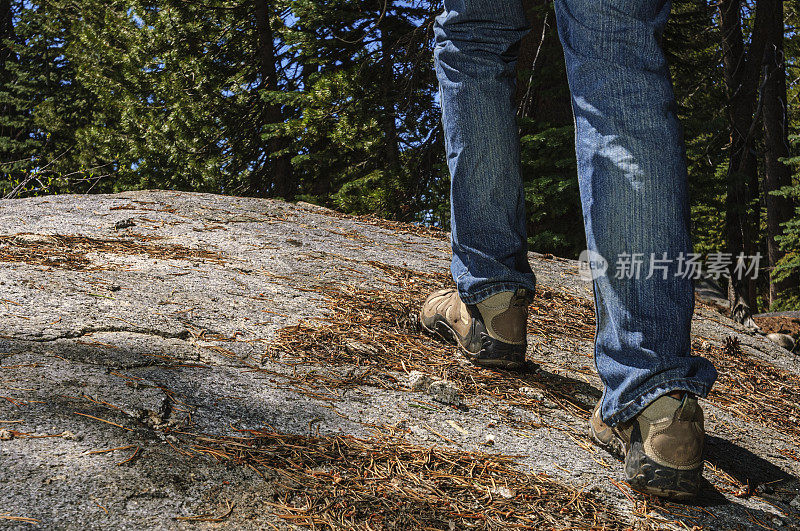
(493, 289)
(636, 406)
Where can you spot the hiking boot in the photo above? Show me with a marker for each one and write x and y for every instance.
(662, 446)
(492, 333)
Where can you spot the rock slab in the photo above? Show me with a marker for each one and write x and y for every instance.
(130, 320)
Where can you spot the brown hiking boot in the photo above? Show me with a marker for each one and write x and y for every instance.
(662, 446)
(492, 333)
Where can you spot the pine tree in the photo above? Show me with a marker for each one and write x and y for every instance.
(366, 125)
(18, 142)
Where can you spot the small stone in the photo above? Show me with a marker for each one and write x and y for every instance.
(124, 224)
(445, 392)
(532, 392)
(114, 287)
(68, 435)
(503, 492)
(154, 419)
(795, 502)
(419, 381)
(538, 394)
(489, 440)
(782, 340)
(33, 239)
(6, 435)
(453, 424)
(356, 348)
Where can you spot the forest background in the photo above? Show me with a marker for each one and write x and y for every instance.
(335, 102)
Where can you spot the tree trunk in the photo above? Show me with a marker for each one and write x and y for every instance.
(741, 78)
(278, 181)
(776, 139)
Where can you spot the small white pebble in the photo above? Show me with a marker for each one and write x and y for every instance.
(503, 492)
(445, 392)
(532, 392)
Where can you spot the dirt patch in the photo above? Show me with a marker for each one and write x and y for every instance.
(384, 482)
(378, 329)
(753, 390)
(70, 251)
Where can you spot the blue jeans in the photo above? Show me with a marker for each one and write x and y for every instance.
(631, 171)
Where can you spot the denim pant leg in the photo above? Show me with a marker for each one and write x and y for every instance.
(633, 183)
(477, 42)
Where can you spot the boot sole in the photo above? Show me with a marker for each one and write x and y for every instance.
(648, 477)
(446, 332)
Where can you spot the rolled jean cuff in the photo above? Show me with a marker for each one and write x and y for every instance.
(492, 289)
(636, 406)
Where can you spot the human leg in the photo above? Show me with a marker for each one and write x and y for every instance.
(634, 192)
(477, 42)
